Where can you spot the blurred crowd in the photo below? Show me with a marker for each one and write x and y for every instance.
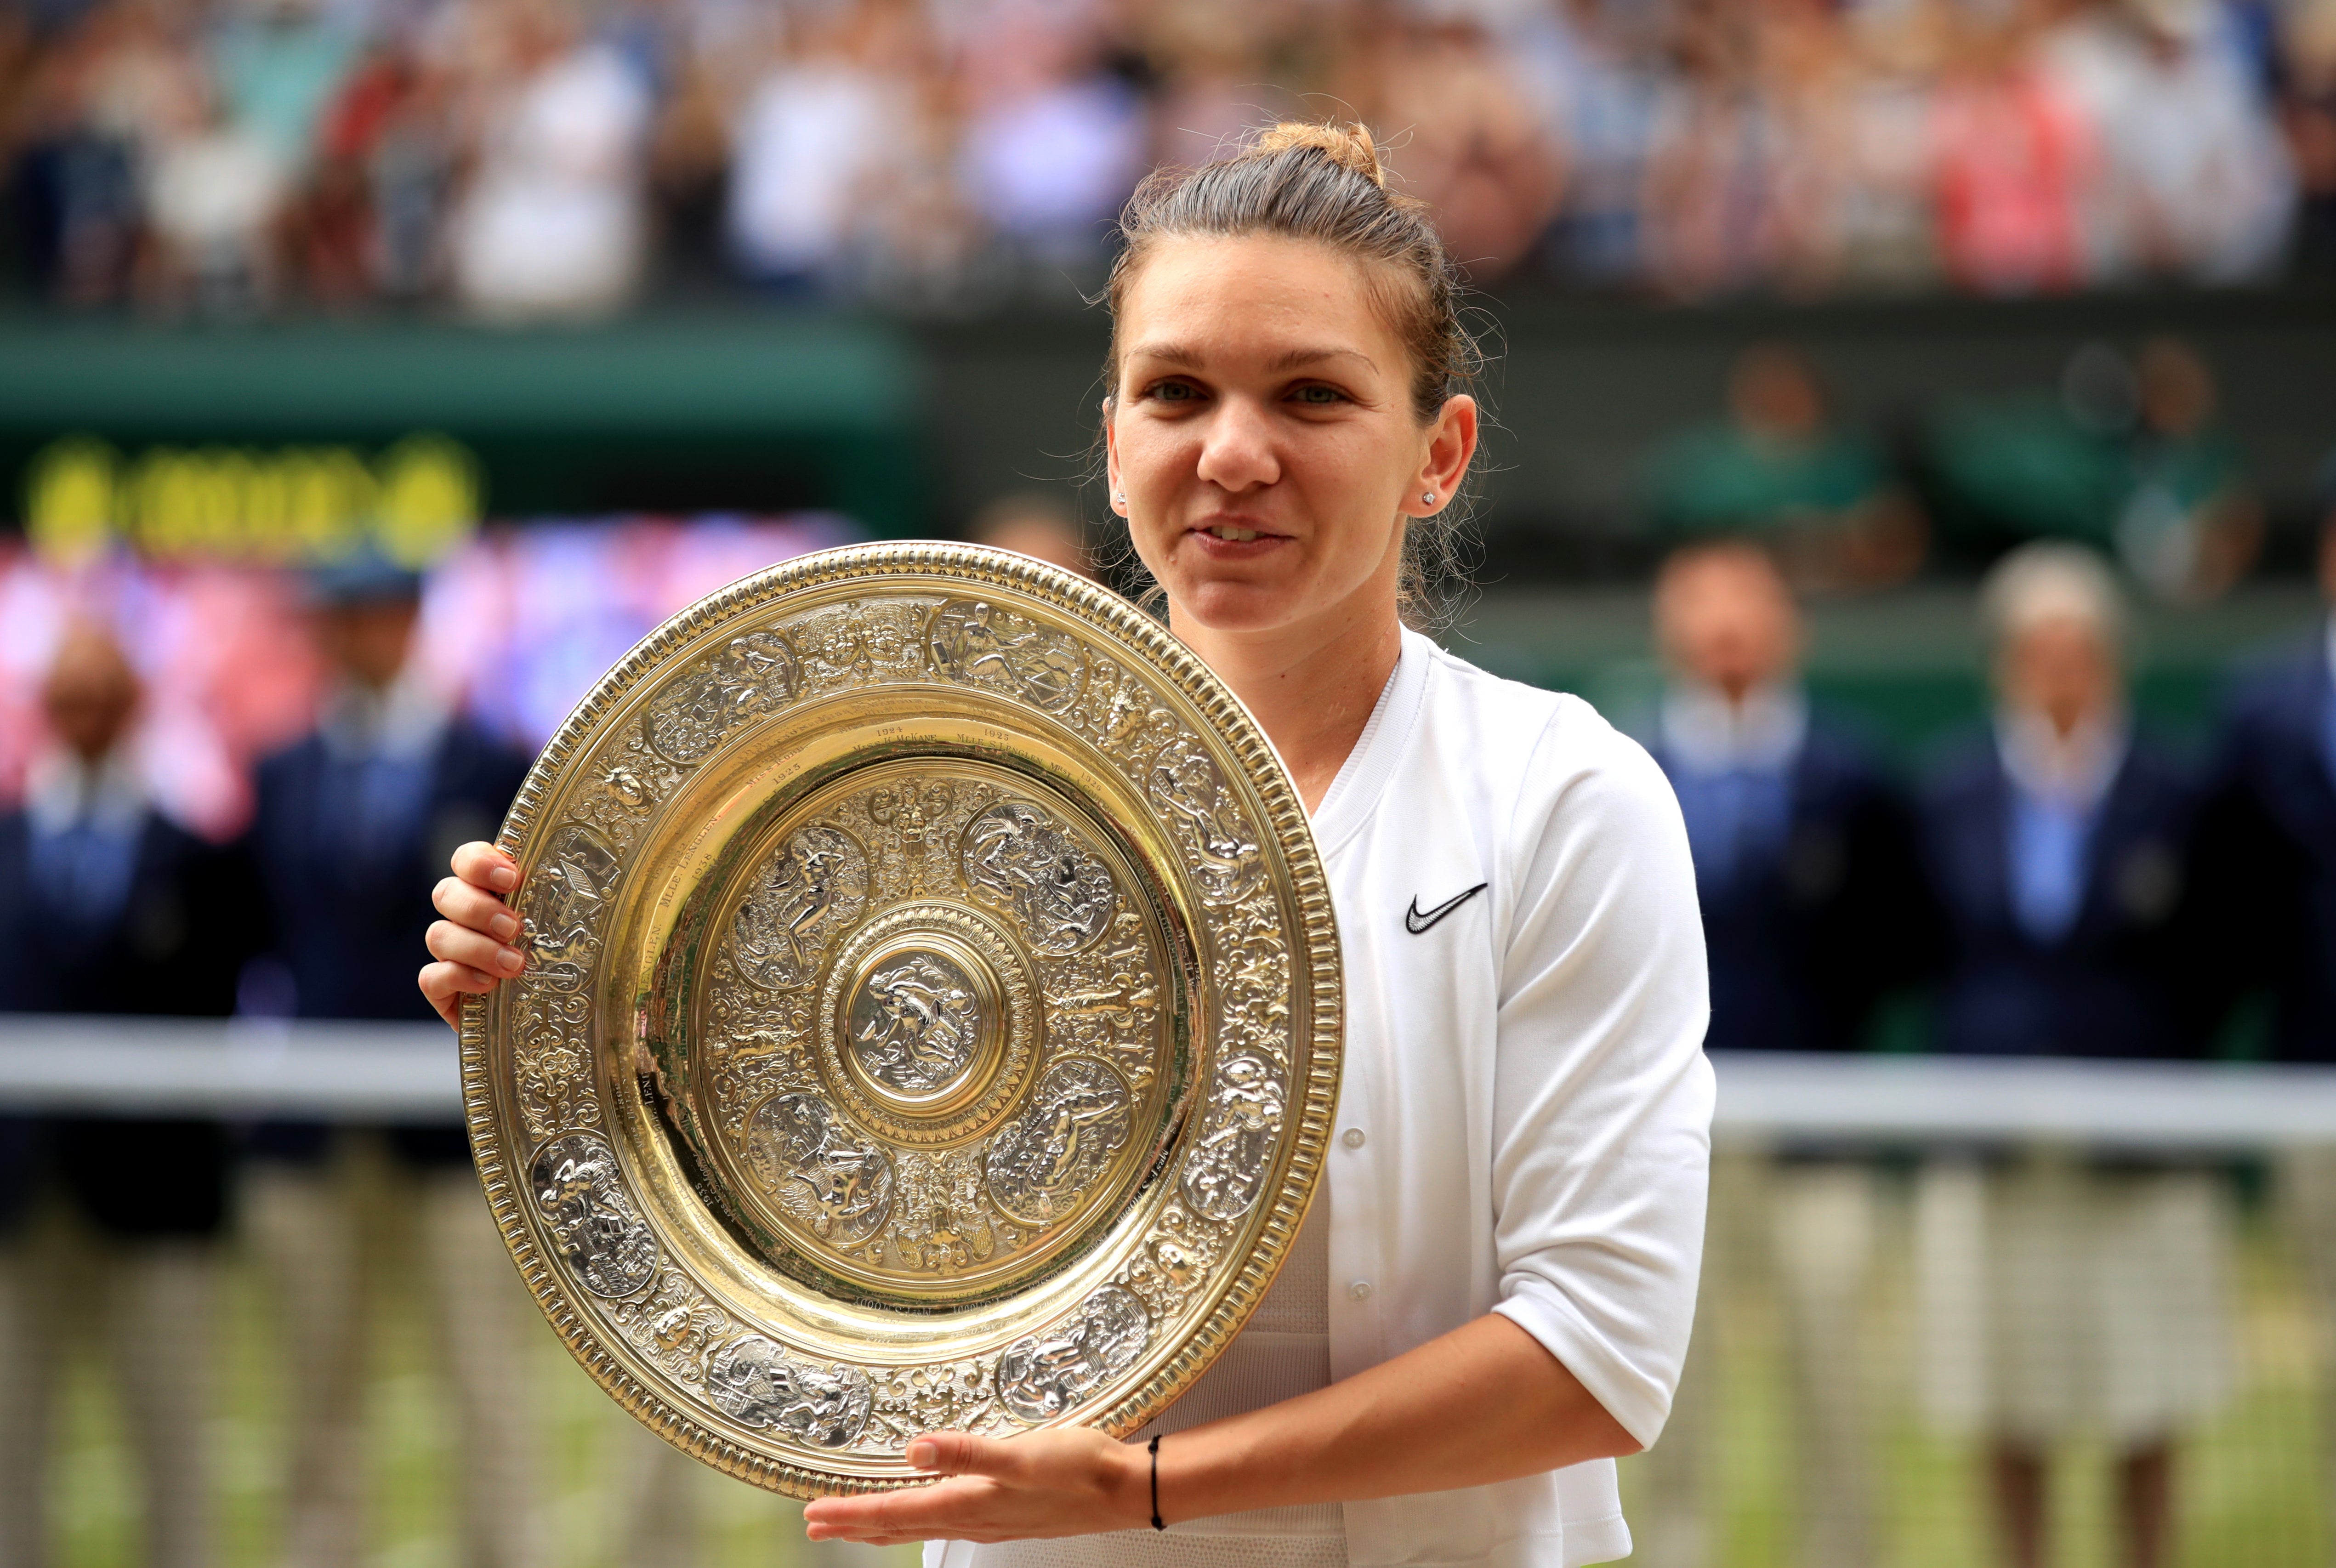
(556, 158)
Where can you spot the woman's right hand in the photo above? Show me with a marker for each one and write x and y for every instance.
(473, 944)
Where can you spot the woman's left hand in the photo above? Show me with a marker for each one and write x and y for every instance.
(1071, 1482)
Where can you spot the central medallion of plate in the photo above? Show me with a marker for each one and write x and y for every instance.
(934, 1019)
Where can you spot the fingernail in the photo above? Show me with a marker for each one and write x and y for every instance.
(513, 960)
(504, 878)
(503, 927)
(923, 1455)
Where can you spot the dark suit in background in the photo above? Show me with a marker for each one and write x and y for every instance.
(2102, 1287)
(2268, 866)
(353, 829)
(108, 907)
(1813, 910)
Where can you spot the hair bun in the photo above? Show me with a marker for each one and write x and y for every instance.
(1347, 146)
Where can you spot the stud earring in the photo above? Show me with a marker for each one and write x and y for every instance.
(1119, 498)
(1427, 497)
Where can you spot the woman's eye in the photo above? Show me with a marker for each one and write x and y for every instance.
(1319, 396)
(1173, 391)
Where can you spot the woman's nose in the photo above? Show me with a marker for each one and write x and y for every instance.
(1238, 451)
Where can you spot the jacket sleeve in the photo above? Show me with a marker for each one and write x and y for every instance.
(1602, 1098)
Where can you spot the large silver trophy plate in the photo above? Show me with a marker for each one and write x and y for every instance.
(931, 1017)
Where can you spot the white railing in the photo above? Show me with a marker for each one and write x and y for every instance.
(389, 1071)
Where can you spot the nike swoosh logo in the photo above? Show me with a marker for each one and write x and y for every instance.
(1417, 920)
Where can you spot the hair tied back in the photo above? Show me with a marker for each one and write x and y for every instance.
(1349, 147)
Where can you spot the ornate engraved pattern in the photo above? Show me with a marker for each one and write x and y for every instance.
(1044, 1160)
(1228, 1164)
(1189, 790)
(914, 1024)
(835, 1187)
(1110, 1007)
(1044, 1376)
(591, 1218)
(1017, 856)
(815, 886)
(978, 644)
(750, 1379)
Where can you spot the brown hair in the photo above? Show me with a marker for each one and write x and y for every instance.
(1325, 183)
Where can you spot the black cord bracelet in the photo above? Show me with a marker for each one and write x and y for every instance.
(1154, 1447)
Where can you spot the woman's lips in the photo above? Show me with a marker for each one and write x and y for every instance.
(1248, 544)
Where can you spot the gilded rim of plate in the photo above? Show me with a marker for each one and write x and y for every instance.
(501, 1164)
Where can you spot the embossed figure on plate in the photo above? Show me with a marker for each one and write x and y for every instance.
(756, 672)
(940, 1222)
(1017, 855)
(751, 1381)
(1043, 1375)
(1227, 1168)
(1044, 1159)
(916, 1022)
(567, 894)
(815, 885)
(591, 1217)
(1187, 787)
(981, 645)
(802, 1153)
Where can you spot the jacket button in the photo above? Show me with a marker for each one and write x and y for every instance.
(1360, 1289)
(1352, 1138)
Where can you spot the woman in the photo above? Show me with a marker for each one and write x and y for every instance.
(1495, 1300)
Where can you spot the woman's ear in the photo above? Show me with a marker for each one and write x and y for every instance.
(1450, 449)
(1111, 461)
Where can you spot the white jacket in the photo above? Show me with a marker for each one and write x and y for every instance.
(1523, 1122)
(1526, 1073)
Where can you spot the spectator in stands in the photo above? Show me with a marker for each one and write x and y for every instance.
(2127, 456)
(2014, 162)
(553, 223)
(2059, 1298)
(1778, 466)
(2271, 850)
(1806, 872)
(2193, 179)
(107, 906)
(350, 822)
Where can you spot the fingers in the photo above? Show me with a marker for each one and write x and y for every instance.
(960, 1453)
(445, 984)
(475, 908)
(461, 945)
(482, 865)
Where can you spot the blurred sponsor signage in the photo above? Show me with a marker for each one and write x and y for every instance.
(414, 500)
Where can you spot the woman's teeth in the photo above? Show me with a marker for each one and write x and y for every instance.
(1233, 535)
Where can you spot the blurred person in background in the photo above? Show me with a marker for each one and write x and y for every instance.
(107, 906)
(1052, 142)
(1811, 893)
(553, 220)
(2058, 1298)
(1780, 467)
(1036, 525)
(2270, 848)
(2128, 455)
(1708, 219)
(2308, 109)
(350, 822)
(2195, 181)
(2014, 162)
(1476, 153)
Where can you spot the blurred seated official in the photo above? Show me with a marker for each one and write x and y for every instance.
(1807, 877)
(1780, 467)
(2271, 847)
(112, 1227)
(352, 824)
(2059, 1298)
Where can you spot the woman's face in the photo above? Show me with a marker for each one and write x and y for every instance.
(1262, 433)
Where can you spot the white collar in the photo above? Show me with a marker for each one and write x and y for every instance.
(1355, 793)
(60, 791)
(1705, 733)
(2074, 770)
(403, 719)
